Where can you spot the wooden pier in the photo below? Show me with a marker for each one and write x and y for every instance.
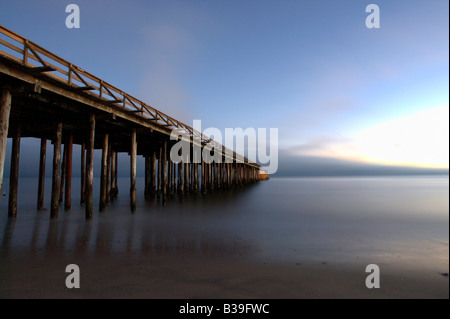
(48, 98)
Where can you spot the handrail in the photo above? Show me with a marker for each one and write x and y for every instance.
(45, 62)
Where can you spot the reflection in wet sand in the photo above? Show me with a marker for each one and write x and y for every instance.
(151, 231)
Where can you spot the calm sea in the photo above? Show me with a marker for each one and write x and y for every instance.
(403, 220)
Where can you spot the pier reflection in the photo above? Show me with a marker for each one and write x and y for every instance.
(187, 226)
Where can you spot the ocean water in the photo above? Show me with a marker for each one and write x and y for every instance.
(400, 221)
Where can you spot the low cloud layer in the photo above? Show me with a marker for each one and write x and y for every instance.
(297, 165)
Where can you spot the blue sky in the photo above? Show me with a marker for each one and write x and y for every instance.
(309, 68)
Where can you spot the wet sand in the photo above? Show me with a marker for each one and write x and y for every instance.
(188, 277)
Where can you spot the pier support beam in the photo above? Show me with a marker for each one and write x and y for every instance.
(68, 187)
(103, 173)
(164, 161)
(159, 177)
(14, 173)
(152, 164)
(147, 176)
(90, 168)
(175, 178)
(63, 175)
(113, 181)
(203, 188)
(41, 181)
(133, 154)
(169, 175)
(209, 176)
(186, 177)
(196, 175)
(217, 175)
(5, 109)
(180, 187)
(116, 182)
(108, 173)
(152, 173)
(229, 175)
(56, 178)
(83, 174)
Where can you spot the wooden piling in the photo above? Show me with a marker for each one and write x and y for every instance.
(164, 162)
(146, 176)
(186, 177)
(5, 109)
(216, 174)
(14, 173)
(83, 174)
(229, 168)
(113, 168)
(90, 167)
(191, 177)
(159, 177)
(220, 167)
(225, 175)
(238, 172)
(68, 187)
(152, 172)
(116, 182)
(103, 173)
(194, 171)
(169, 175)
(245, 174)
(187, 173)
(203, 188)
(56, 172)
(41, 180)
(108, 173)
(175, 177)
(133, 154)
(180, 177)
(63, 175)
(205, 172)
(241, 176)
(210, 177)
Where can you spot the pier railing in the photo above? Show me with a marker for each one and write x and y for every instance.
(40, 60)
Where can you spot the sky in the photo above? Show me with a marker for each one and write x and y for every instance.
(336, 90)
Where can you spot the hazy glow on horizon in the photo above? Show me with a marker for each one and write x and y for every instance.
(420, 139)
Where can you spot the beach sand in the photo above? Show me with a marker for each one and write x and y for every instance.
(192, 277)
(290, 238)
